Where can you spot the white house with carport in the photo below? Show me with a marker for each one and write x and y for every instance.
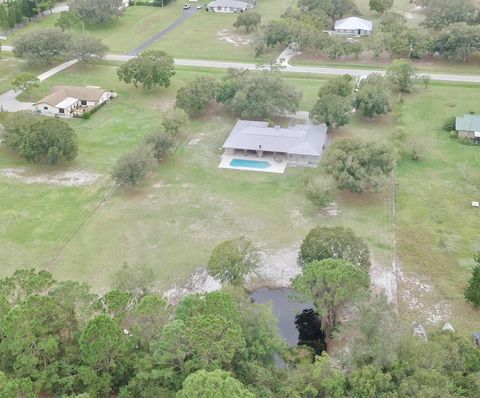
(273, 147)
(353, 26)
(228, 6)
(70, 101)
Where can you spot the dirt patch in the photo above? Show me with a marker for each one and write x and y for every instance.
(384, 280)
(74, 178)
(199, 282)
(235, 40)
(414, 13)
(277, 269)
(415, 292)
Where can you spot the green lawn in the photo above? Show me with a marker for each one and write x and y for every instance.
(211, 35)
(184, 209)
(189, 205)
(437, 228)
(10, 67)
(136, 26)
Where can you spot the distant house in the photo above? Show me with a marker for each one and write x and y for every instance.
(70, 101)
(299, 145)
(353, 26)
(230, 6)
(468, 126)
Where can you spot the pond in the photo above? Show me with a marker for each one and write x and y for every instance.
(297, 322)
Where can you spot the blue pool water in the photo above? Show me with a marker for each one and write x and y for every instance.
(253, 164)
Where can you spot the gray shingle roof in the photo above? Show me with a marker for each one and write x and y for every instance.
(302, 139)
(468, 123)
(353, 23)
(227, 3)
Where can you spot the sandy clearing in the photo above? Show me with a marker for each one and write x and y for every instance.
(74, 178)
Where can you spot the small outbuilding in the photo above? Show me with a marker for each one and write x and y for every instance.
(70, 101)
(468, 127)
(228, 6)
(353, 26)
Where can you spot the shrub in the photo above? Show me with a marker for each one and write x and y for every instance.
(160, 143)
(472, 292)
(134, 166)
(320, 192)
(453, 134)
(174, 120)
(449, 124)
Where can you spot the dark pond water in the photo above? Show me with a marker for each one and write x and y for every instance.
(297, 321)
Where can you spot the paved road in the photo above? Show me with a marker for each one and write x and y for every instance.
(303, 69)
(186, 14)
(9, 103)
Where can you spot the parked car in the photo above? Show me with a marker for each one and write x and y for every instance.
(200, 6)
(187, 6)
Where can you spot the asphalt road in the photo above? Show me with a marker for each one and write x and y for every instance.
(319, 70)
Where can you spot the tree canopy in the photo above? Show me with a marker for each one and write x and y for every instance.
(196, 95)
(257, 95)
(330, 284)
(39, 139)
(150, 69)
(334, 242)
(231, 260)
(97, 11)
(373, 96)
(25, 82)
(472, 291)
(358, 166)
(41, 46)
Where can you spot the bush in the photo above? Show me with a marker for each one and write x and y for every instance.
(174, 120)
(231, 260)
(472, 292)
(453, 134)
(320, 192)
(134, 166)
(449, 124)
(160, 143)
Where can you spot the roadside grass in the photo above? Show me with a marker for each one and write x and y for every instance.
(122, 35)
(10, 67)
(183, 210)
(437, 228)
(209, 35)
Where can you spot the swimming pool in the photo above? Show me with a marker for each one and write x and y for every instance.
(251, 164)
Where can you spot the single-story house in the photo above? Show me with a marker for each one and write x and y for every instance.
(230, 6)
(70, 101)
(353, 26)
(299, 145)
(468, 126)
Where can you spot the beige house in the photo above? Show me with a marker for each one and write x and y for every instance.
(70, 101)
(299, 145)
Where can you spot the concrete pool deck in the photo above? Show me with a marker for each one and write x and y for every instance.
(275, 167)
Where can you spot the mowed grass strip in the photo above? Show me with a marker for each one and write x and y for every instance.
(123, 34)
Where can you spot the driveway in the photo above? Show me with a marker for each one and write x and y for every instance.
(186, 14)
(8, 101)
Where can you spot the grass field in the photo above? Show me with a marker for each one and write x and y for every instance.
(122, 35)
(212, 36)
(189, 205)
(184, 209)
(437, 228)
